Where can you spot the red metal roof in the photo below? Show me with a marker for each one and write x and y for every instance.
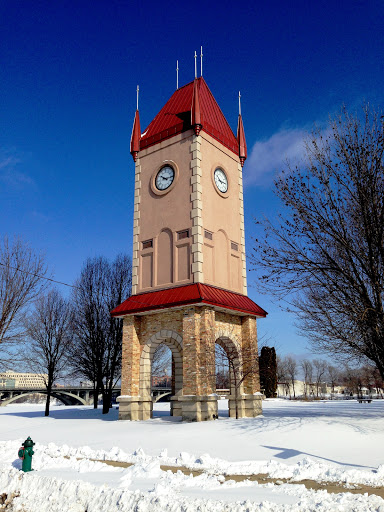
(190, 294)
(175, 117)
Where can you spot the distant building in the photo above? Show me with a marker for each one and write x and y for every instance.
(10, 379)
(164, 381)
(285, 389)
(86, 384)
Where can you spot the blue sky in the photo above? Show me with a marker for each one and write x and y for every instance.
(69, 72)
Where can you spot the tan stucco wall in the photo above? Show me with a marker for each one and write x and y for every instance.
(160, 217)
(222, 214)
(192, 203)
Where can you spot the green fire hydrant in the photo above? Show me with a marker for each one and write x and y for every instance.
(25, 454)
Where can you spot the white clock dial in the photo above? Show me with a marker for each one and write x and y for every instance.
(221, 180)
(165, 177)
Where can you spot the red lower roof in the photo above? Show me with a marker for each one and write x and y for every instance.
(189, 294)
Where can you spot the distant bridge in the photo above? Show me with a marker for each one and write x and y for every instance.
(71, 395)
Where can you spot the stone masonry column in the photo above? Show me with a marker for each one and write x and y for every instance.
(249, 403)
(132, 406)
(250, 355)
(198, 403)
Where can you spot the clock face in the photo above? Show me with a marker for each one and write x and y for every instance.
(221, 180)
(165, 177)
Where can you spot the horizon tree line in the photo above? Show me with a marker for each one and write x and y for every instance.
(315, 373)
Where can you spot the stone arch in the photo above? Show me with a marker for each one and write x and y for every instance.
(175, 343)
(233, 350)
(65, 397)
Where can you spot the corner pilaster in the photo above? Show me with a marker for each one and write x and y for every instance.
(242, 232)
(136, 227)
(196, 211)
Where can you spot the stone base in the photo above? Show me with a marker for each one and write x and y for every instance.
(248, 406)
(135, 408)
(197, 407)
(176, 409)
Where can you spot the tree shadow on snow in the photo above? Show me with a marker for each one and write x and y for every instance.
(288, 453)
(68, 413)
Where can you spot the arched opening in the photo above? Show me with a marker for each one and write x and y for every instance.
(161, 375)
(229, 372)
(161, 369)
(222, 371)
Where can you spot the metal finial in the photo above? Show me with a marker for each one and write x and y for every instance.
(195, 65)
(137, 98)
(201, 61)
(177, 74)
(239, 104)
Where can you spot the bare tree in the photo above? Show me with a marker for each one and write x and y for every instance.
(240, 367)
(378, 382)
(162, 361)
(307, 367)
(21, 281)
(334, 376)
(222, 368)
(350, 378)
(291, 366)
(325, 251)
(280, 369)
(49, 334)
(282, 373)
(96, 351)
(162, 364)
(320, 368)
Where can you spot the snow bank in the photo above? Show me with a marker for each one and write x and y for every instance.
(42, 494)
(328, 442)
(305, 469)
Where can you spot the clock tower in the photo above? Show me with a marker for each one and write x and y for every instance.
(189, 287)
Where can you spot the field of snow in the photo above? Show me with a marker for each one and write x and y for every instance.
(334, 441)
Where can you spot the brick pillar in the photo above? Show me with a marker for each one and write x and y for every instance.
(191, 351)
(132, 406)
(207, 368)
(130, 364)
(250, 355)
(197, 402)
(248, 403)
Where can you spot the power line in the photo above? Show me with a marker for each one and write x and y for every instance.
(37, 275)
(48, 278)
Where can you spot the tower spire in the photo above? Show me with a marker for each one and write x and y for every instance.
(136, 131)
(177, 74)
(195, 64)
(241, 136)
(201, 61)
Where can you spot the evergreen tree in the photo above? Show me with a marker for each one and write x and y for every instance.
(268, 371)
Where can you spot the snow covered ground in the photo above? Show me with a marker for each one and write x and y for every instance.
(339, 441)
